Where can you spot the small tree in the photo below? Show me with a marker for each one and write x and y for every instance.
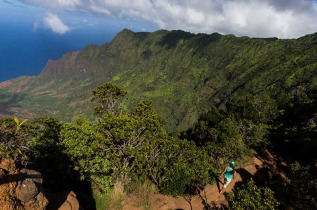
(120, 145)
(109, 96)
(123, 146)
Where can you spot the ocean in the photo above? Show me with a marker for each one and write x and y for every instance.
(24, 51)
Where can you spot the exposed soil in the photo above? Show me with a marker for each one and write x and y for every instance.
(43, 92)
(260, 168)
(73, 104)
(61, 95)
(22, 83)
(63, 86)
(42, 87)
(6, 84)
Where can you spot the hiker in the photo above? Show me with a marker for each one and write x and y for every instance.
(229, 174)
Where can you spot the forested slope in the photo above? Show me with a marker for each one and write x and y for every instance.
(182, 73)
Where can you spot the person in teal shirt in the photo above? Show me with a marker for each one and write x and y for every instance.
(229, 174)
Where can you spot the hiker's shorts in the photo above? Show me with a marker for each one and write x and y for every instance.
(227, 181)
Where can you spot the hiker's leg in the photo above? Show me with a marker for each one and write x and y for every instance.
(224, 184)
(227, 181)
(221, 191)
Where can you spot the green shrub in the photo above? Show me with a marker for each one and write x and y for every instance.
(178, 181)
(47, 153)
(303, 187)
(252, 197)
(14, 140)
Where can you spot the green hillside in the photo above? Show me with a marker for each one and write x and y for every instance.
(183, 74)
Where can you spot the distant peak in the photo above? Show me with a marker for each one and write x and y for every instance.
(126, 31)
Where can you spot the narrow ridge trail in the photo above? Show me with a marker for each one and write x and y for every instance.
(209, 197)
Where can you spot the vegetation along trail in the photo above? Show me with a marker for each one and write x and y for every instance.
(260, 167)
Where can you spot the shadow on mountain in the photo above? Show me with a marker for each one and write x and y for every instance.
(10, 100)
(202, 41)
(171, 39)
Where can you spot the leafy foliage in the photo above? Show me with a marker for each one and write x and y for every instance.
(14, 140)
(188, 171)
(252, 197)
(18, 123)
(296, 129)
(303, 186)
(133, 145)
(47, 154)
(109, 97)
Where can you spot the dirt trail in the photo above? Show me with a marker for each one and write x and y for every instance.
(210, 197)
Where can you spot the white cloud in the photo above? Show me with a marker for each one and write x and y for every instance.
(61, 4)
(256, 18)
(100, 10)
(35, 26)
(52, 21)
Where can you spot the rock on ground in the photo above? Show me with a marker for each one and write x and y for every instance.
(20, 189)
(71, 202)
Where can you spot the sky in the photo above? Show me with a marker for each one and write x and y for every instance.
(33, 31)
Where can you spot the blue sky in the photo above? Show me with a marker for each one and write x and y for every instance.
(33, 31)
(27, 42)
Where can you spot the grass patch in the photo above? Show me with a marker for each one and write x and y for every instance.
(113, 200)
(142, 191)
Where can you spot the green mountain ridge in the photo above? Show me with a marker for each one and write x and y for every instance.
(183, 74)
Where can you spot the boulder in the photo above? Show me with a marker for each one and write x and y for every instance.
(40, 202)
(27, 191)
(20, 189)
(71, 202)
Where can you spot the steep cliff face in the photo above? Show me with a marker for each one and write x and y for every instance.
(76, 65)
(57, 69)
(182, 73)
